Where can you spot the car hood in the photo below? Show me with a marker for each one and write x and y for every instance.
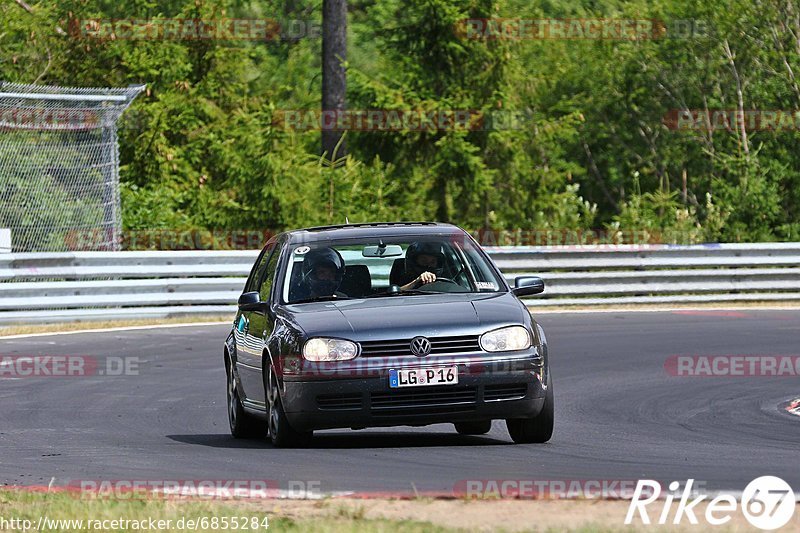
(400, 317)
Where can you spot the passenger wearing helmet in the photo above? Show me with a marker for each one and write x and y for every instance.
(424, 263)
(321, 273)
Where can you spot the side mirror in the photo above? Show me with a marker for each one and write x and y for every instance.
(527, 285)
(250, 301)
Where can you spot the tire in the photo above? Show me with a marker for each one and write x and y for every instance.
(537, 429)
(480, 427)
(281, 433)
(243, 425)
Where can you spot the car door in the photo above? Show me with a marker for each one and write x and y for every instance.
(241, 323)
(248, 350)
(259, 325)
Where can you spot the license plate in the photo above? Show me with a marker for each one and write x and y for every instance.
(421, 377)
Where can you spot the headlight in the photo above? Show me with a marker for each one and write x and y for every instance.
(329, 350)
(506, 339)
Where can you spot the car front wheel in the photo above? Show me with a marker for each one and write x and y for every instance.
(281, 433)
(242, 424)
(537, 429)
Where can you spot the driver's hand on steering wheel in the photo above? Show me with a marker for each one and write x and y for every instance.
(425, 278)
(422, 279)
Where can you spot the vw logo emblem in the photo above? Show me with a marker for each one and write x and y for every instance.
(420, 346)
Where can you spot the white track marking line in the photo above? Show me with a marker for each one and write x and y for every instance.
(585, 310)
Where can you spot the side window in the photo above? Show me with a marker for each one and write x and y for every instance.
(269, 275)
(258, 269)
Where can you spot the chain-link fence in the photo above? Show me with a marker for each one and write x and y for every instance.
(59, 165)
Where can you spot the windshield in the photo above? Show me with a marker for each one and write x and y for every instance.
(385, 267)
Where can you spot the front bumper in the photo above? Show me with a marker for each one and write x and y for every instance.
(488, 388)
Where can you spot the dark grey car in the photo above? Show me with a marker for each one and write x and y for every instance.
(384, 324)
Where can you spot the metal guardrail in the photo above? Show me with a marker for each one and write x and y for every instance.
(52, 287)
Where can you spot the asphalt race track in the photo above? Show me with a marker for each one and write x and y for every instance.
(619, 414)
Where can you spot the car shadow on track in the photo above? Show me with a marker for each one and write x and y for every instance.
(218, 440)
(352, 440)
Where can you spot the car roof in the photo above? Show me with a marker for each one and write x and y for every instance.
(370, 229)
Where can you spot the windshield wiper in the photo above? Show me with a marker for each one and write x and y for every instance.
(409, 292)
(331, 298)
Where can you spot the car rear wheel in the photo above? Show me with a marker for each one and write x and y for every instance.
(537, 429)
(242, 424)
(281, 433)
(473, 428)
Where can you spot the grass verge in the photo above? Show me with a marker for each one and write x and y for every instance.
(70, 513)
(25, 329)
(331, 515)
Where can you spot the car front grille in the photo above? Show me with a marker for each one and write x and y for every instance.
(339, 402)
(435, 398)
(427, 400)
(514, 391)
(439, 346)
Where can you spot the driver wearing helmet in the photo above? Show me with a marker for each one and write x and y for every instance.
(321, 273)
(424, 263)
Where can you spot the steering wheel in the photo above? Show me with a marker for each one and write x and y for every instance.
(448, 280)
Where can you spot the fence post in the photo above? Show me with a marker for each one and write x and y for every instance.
(5, 241)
